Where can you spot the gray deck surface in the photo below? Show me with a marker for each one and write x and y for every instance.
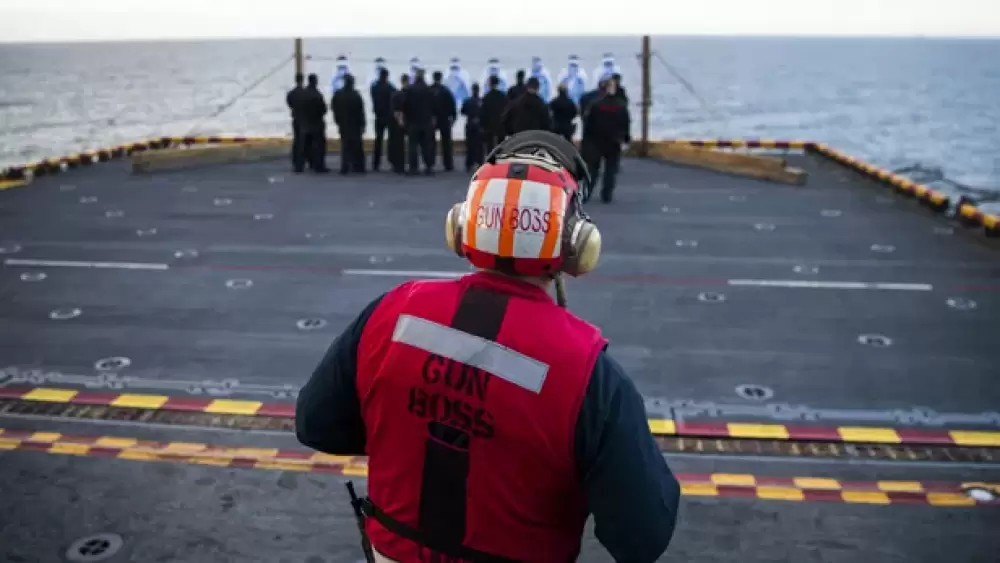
(185, 331)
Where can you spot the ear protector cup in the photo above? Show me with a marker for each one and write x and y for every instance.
(453, 229)
(581, 244)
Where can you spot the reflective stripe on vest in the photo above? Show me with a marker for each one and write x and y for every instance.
(471, 350)
(470, 391)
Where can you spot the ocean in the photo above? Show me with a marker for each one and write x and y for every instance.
(895, 102)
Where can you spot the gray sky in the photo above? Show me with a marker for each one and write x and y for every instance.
(54, 20)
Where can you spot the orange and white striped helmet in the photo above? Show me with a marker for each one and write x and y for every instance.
(522, 214)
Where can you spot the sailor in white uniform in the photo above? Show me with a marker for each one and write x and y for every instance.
(493, 69)
(538, 70)
(458, 82)
(607, 69)
(574, 78)
(343, 68)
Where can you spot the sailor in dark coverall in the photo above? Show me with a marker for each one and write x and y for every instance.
(311, 110)
(608, 121)
(621, 89)
(382, 92)
(397, 129)
(589, 96)
(472, 110)
(515, 91)
(623, 94)
(292, 99)
(418, 114)
(586, 136)
(349, 115)
(494, 104)
(444, 118)
(528, 112)
(563, 113)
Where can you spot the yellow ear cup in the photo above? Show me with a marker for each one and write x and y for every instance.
(453, 229)
(588, 249)
(582, 246)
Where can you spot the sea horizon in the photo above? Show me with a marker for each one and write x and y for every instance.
(893, 100)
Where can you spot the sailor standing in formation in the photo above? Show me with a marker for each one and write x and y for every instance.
(292, 99)
(527, 112)
(564, 112)
(349, 115)
(444, 119)
(494, 104)
(517, 89)
(397, 133)
(382, 92)
(495, 421)
(472, 109)
(308, 126)
(417, 115)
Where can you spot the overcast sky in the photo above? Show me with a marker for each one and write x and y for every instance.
(53, 20)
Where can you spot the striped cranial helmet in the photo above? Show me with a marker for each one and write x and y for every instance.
(523, 212)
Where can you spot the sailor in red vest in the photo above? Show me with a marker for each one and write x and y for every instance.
(494, 420)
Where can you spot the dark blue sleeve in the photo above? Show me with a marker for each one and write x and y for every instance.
(630, 490)
(328, 412)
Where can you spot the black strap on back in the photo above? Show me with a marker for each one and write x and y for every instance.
(458, 551)
(442, 511)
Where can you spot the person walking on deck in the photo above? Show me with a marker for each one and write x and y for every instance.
(495, 420)
(608, 122)
(586, 134)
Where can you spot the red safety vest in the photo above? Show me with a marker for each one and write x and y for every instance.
(470, 391)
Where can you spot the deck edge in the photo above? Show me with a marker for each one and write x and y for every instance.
(966, 212)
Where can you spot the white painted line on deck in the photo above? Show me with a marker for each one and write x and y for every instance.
(78, 264)
(405, 273)
(833, 285)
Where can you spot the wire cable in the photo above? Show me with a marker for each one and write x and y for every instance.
(246, 90)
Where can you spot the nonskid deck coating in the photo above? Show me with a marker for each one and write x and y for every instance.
(183, 326)
(216, 514)
(181, 512)
(307, 252)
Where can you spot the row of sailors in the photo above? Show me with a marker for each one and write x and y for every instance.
(421, 116)
(458, 82)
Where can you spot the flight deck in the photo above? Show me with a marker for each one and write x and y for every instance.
(815, 324)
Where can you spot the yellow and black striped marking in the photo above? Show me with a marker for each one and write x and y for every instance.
(722, 445)
(935, 493)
